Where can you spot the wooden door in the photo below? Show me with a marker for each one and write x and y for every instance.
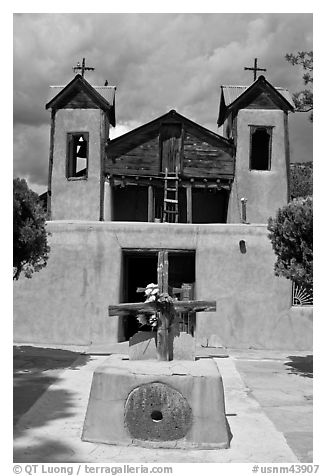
(170, 145)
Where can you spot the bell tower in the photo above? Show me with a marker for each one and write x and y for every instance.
(81, 116)
(256, 119)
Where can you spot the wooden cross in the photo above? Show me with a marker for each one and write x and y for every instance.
(166, 312)
(83, 68)
(255, 69)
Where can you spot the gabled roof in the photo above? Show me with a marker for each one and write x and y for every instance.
(203, 153)
(102, 97)
(171, 116)
(234, 98)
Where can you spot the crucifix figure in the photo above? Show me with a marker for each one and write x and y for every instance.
(255, 69)
(82, 68)
(165, 306)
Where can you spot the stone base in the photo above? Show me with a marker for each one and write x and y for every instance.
(177, 404)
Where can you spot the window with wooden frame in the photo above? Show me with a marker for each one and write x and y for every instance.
(260, 147)
(77, 155)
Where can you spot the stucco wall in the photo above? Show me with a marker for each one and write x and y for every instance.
(78, 198)
(265, 190)
(67, 301)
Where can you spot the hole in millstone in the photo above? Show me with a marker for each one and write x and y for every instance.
(156, 415)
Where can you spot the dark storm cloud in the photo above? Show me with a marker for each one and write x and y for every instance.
(157, 61)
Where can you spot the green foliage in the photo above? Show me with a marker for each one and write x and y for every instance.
(29, 233)
(303, 99)
(301, 180)
(291, 237)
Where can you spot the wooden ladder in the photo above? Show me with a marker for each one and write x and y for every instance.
(171, 200)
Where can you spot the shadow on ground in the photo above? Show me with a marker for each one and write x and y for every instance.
(301, 365)
(35, 369)
(41, 358)
(50, 450)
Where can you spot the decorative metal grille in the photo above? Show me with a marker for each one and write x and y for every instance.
(302, 295)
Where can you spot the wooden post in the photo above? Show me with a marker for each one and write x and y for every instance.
(287, 155)
(150, 203)
(189, 203)
(243, 210)
(108, 201)
(49, 195)
(164, 320)
(103, 138)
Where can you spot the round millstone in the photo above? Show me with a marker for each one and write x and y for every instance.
(157, 412)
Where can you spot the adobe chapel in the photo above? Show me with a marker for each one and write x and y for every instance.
(173, 185)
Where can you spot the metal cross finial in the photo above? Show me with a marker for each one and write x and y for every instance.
(83, 68)
(255, 69)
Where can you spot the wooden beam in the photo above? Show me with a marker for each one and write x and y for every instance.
(131, 308)
(163, 271)
(159, 183)
(195, 306)
(156, 250)
(160, 271)
(162, 348)
(172, 290)
(150, 307)
(189, 203)
(150, 212)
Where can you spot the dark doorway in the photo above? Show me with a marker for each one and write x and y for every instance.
(209, 205)
(130, 203)
(181, 268)
(140, 269)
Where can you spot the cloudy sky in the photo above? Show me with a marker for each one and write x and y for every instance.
(157, 61)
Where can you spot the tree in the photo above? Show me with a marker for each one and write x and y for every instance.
(29, 234)
(301, 180)
(303, 100)
(291, 237)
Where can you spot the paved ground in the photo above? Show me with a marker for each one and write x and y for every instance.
(268, 404)
(35, 369)
(283, 388)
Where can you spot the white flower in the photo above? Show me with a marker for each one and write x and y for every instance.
(141, 318)
(153, 320)
(150, 298)
(151, 289)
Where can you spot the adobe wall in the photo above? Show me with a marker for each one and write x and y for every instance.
(265, 190)
(66, 303)
(75, 196)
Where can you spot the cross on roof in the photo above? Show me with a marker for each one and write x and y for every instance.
(255, 69)
(83, 68)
